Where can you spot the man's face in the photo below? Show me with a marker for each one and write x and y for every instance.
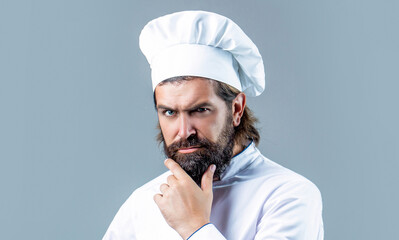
(196, 126)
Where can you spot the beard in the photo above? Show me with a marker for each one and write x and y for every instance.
(196, 163)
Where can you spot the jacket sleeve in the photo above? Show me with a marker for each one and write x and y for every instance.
(208, 231)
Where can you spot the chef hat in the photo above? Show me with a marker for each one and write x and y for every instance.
(202, 44)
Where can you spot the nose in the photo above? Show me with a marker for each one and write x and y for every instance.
(186, 128)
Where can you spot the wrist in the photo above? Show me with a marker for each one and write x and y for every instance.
(197, 230)
(191, 230)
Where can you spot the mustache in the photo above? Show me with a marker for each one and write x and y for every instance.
(189, 142)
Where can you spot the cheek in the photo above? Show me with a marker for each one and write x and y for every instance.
(167, 131)
(211, 127)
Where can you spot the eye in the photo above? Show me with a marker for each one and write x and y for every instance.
(202, 109)
(169, 113)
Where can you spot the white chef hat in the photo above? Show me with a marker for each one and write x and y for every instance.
(202, 44)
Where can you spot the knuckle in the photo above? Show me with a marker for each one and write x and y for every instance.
(170, 178)
(157, 198)
(162, 188)
(185, 183)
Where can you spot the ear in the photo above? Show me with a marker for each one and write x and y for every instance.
(238, 106)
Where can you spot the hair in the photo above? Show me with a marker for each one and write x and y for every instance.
(245, 130)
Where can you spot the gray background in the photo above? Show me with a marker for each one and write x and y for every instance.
(77, 125)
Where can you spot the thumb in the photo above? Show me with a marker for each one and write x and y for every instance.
(207, 179)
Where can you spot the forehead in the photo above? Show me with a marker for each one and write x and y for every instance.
(187, 92)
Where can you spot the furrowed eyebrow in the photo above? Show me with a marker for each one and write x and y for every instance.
(199, 105)
(162, 107)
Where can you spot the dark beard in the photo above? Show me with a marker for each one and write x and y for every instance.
(196, 163)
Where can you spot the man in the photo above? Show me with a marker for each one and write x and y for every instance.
(219, 185)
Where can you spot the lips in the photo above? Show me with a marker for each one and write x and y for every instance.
(188, 150)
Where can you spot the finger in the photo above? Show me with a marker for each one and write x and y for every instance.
(171, 180)
(164, 187)
(158, 198)
(175, 169)
(207, 179)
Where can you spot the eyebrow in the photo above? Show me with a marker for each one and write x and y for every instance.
(196, 106)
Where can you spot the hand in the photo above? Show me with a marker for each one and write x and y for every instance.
(185, 206)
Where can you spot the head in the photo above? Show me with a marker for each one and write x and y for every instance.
(202, 122)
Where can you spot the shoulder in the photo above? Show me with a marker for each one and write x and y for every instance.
(283, 181)
(142, 197)
(149, 189)
(137, 211)
(289, 186)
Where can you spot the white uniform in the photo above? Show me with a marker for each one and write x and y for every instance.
(255, 199)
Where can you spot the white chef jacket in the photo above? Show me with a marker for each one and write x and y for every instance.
(255, 199)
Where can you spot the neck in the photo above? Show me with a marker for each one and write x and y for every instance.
(239, 147)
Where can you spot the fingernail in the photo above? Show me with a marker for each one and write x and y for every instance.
(213, 167)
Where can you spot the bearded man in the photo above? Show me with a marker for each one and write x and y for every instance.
(219, 185)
